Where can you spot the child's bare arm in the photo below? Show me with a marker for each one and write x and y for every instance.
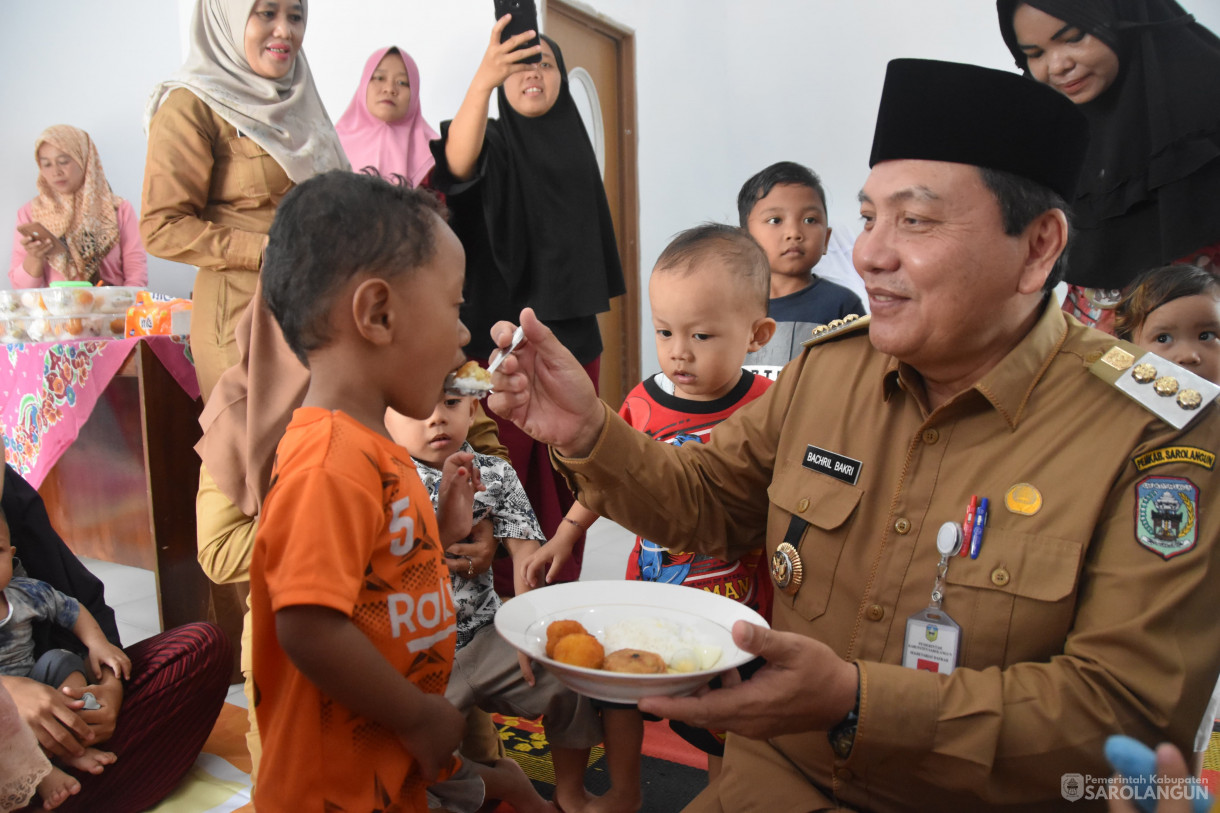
(555, 554)
(521, 551)
(337, 658)
(108, 691)
(460, 481)
(101, 651)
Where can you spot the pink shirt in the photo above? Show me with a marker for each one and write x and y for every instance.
(126, 264)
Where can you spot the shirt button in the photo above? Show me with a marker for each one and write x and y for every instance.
(930, 436)
(801, 506)
(903, 525)
(876, 612)
(843, 774)
(1092, 357)
(1000, 577)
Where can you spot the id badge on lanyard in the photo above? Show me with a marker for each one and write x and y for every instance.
(933, 639)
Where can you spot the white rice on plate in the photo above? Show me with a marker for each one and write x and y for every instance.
(677, 644)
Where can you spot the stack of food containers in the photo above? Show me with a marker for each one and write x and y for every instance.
(64, 313)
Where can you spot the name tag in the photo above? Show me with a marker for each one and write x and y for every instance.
(837, 466)
(931, 642)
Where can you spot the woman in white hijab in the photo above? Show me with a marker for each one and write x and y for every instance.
(228, 135)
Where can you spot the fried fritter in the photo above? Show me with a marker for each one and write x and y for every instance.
(580, 649)
(557, 629)
(635, 661)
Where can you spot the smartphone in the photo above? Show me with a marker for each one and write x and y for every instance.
(38, 231)
(525, 18)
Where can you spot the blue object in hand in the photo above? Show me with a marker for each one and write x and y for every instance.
(1137, 763)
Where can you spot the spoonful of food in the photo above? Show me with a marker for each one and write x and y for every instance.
(471, 379)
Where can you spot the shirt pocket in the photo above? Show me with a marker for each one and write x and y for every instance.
(255, 172)
(1016, 602)
(827, 508)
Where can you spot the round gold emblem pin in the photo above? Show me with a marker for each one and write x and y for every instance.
(1143, 373)
(1166, 385)
(1023, 499)
(786, 568)
(1190, 399)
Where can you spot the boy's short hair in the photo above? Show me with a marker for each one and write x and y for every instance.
(760, 185)
(733, 245)
(1158, 287)
(331, 228)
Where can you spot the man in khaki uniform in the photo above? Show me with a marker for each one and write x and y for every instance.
(1085, 609)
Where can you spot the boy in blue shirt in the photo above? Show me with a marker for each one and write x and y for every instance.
(784, 210)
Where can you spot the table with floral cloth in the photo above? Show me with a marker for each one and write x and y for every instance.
(141, 513)
(49, 389)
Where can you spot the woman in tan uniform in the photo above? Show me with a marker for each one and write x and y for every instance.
(228, 135)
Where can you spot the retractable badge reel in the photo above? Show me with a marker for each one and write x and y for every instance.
(933, 638)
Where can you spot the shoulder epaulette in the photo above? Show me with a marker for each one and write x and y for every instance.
(1169, 391)
(838, 327)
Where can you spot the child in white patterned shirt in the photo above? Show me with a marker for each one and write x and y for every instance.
(487, 670)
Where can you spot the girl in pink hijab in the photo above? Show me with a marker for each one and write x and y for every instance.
(383, 126)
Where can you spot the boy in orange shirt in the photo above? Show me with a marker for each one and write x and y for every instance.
(352, 610)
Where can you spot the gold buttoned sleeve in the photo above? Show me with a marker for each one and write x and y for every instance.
(664, 491)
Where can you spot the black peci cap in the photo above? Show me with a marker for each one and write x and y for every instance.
(966, 114)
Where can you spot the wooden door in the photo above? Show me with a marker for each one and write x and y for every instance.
(607, 53)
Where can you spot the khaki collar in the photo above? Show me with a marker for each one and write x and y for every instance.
(1008, 385)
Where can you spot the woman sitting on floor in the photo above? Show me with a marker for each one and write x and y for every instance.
(179, 679)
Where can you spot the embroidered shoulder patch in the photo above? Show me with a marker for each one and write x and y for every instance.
(1167, 515)
(1175, 454)
(1172, 393)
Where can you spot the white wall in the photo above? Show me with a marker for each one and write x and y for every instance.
(91, 65)
(723, 88)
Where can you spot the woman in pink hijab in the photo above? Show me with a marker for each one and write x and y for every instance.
(383, 127)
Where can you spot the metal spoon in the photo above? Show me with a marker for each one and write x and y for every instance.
(518, 337)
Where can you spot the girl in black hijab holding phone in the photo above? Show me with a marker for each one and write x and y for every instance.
(1145, 74)
(526, 198)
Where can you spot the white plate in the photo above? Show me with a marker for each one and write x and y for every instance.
(595, 604)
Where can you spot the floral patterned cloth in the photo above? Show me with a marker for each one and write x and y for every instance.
(48, 391)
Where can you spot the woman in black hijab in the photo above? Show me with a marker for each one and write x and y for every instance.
(526, 198)
(1146, 75)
